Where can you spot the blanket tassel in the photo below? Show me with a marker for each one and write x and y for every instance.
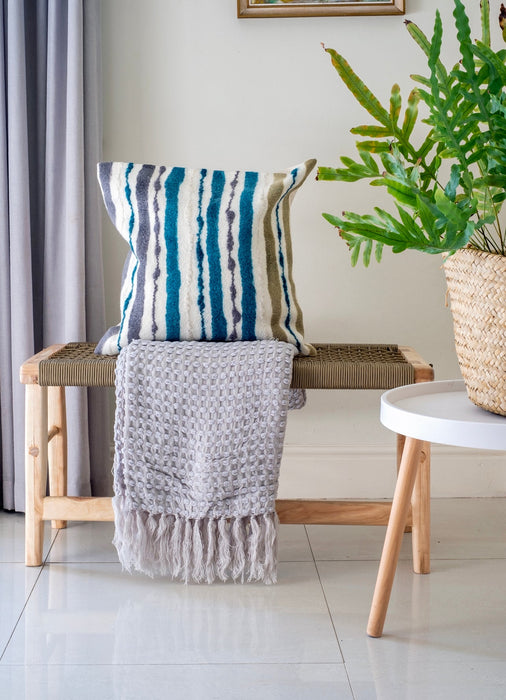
(197, 549)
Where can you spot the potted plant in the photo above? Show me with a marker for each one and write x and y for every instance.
(448, 187)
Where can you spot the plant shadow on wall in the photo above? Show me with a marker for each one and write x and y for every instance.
(458, 215)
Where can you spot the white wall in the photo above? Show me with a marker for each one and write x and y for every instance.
(187, 83)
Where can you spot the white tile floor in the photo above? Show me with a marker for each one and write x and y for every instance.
(80, 629)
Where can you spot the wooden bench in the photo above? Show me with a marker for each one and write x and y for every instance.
(335, 366)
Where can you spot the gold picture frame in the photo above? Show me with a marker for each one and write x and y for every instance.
(318, 8)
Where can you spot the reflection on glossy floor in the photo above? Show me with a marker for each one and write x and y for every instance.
(79, 628)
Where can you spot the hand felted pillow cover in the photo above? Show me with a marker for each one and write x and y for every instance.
(210, 254)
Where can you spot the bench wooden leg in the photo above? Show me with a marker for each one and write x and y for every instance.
(36, 441)
(420, 503)
(396, 524)
(57, 448)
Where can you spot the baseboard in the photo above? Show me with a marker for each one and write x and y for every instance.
(368, 471)
(357, 471)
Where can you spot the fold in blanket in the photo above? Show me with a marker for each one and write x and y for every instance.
(199, 435)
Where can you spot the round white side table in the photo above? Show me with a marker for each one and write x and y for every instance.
(429, 412)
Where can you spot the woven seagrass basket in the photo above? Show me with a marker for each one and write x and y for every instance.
(477, 286)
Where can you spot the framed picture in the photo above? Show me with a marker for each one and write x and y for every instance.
(318, 8)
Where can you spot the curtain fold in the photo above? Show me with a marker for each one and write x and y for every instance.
(51, 273)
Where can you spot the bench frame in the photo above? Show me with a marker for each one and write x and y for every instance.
(46, 455)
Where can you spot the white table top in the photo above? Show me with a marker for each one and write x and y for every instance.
(441, 412)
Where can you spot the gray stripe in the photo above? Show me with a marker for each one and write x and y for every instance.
(114, 330)
(230, 214)
(141, 250)
(104, 177)
(156, 273)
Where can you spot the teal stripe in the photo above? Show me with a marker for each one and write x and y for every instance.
(218, 320)
(245, 256)
(131, 223)
(173, 284)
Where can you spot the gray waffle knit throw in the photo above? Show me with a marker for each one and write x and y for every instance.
(199, 435)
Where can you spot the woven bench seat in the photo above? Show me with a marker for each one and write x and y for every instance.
(335, 366)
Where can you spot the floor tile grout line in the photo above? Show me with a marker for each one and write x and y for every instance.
(41, 568)
(176, 664)
(22, 611)
(329, 612)
(408, 560)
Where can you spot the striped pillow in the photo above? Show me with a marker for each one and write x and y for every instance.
(211, 254)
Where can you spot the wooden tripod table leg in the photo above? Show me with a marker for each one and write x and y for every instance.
(393, 539)
(421, 514)
(35, 471)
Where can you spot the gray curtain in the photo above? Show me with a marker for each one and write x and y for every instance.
(51, 278)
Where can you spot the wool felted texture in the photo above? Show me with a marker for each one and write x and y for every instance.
(211, 254)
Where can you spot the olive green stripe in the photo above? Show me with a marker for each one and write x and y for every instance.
(271, 250)
(285, 212)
